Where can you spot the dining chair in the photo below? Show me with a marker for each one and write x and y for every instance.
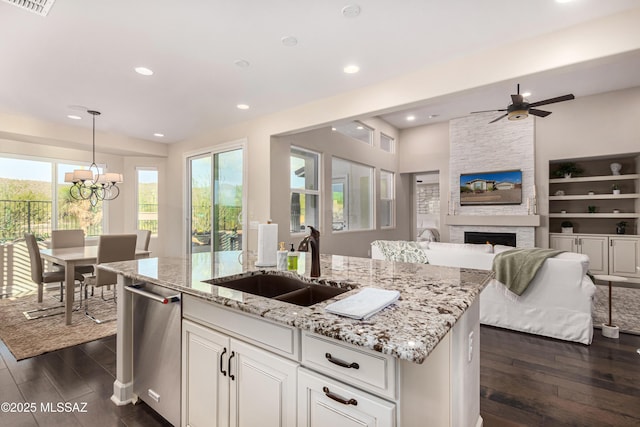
(40, 277)
(111, 248)
(144, 236)
(69, 239)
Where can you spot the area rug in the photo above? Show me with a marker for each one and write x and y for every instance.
(29, 338)
(625, 308)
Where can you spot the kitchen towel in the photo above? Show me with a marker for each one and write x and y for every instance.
(267, 245)
(364, 304)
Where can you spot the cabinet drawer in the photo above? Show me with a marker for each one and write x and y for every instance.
(281, 339)
(323, 402)
(364, 368)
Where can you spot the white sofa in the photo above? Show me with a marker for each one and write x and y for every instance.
(556, 304)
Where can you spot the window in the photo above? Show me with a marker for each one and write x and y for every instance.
(73, 214)
(147, 181)
(387, 143)
(356, 130)
(305, 189)
(352, 190)
(35, 199)
(387, 199)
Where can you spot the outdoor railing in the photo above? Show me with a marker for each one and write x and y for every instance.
(34, 216)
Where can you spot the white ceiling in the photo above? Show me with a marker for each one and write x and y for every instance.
(83, 53)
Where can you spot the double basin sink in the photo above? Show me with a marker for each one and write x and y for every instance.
(282, 288)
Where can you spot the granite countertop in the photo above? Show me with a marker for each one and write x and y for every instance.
(432, 298)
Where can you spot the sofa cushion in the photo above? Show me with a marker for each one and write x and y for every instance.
(484, 248)
(581, 258)
(501, 248)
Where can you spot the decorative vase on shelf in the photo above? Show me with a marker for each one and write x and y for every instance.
(615, 188)
(615, 168)
(567, 227)
(620, 227)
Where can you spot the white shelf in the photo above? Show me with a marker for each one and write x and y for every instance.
(595, 178)
(594, 215)
(494, 220)
(596, 196)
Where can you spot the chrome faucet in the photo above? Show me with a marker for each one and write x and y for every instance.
(312, 239)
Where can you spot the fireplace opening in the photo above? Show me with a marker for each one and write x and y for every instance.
(507, 239)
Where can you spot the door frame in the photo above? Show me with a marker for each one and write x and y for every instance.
(186, 185)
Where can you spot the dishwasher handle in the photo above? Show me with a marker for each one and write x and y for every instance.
(155, 297)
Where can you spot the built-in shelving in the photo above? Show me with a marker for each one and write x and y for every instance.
(571, 200)
(620, 215)
(597, 178)
(596, 196)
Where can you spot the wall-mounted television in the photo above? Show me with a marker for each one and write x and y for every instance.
(491, 188)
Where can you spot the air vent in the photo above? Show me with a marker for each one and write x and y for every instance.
(40, 7)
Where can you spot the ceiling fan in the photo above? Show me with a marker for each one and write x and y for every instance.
(520, 109)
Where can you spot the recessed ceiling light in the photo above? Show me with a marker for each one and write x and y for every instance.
(411, 118)
(289, 41)
(242, 63)
(359, 127)
(159, 135)
(74, 117)
(351, 11)
(144, 71)
(242, 106)
(433, 116)
(526, 94)
(351, 69)
(333, 129)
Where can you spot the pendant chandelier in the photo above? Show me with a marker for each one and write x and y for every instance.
(90, 184)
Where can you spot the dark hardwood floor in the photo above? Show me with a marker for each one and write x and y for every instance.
(78, 375)
(525, 381)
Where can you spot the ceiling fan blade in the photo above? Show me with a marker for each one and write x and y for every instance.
(553, 100)
(539, 113)
(488, 111)
(517, 99)
(501, 117)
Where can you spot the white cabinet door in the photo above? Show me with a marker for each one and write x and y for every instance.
(597, 249)
(324, 402)
(624, 256)
(205, 380)
(262, 388)
(563, 243)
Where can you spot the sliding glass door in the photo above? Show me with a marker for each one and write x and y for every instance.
(216, 202)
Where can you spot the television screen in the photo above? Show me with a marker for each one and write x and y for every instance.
(491, 188)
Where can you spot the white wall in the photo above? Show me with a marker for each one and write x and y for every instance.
(334, 144)
(599, 125)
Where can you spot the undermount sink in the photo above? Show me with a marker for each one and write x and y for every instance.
(282, 288)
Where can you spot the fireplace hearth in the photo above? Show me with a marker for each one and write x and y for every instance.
(507, 239)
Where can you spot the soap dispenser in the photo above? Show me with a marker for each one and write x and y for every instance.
(292, 259)
(282, 257)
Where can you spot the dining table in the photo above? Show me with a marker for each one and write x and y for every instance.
(70, 258)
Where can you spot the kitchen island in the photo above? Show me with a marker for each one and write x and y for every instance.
(417, 364)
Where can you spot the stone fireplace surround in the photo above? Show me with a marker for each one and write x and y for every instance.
(525, 236)
(479, 146)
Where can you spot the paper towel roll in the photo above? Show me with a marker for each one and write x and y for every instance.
(267, 245)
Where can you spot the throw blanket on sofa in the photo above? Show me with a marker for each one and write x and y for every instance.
(516, 268)
(401, 251)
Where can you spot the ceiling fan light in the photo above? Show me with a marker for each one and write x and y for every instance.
(518, 114)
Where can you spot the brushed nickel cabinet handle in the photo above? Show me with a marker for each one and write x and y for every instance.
(338, 398)
(342, 363)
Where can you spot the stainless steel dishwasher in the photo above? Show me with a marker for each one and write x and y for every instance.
(157, 314)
